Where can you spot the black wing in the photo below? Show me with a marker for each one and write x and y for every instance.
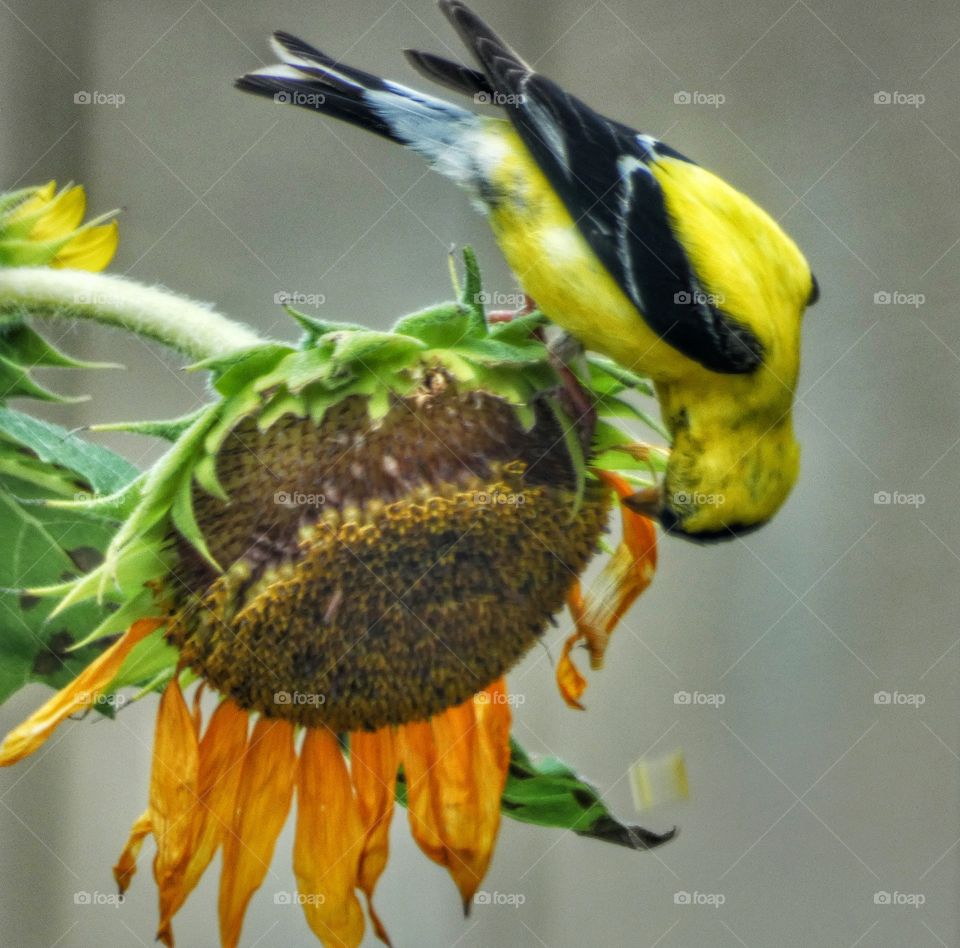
(600, 170)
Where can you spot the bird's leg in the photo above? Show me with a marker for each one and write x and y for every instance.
(646, 502)
(574, 397)
(506, 315)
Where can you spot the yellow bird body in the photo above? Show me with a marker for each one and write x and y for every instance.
(734, 447)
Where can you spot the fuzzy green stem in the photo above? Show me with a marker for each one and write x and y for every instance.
(195, 329)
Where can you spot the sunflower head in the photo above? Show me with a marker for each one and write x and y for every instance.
(40, 226)
(352, 545)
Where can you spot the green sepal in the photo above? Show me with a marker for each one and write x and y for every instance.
(571, 441)
(439, 327)
(471, 299)
(167, 430)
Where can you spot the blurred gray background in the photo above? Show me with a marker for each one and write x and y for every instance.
(808, 797)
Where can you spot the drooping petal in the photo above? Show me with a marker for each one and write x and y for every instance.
(220, 766)
(329, 842)
(626, 574)
(126, 865)
(570, 680)
(456, 768)
(374, 759)
(262, 804)
(77, 696)
(173, 798)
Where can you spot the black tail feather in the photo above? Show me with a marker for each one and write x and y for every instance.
(349, 106)
(447, 73)
(302, 49)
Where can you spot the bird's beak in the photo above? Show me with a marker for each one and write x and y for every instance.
(647, 502)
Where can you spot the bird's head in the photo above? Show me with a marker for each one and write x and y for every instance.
(723, 487)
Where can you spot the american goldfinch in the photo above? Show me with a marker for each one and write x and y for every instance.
(635, 250)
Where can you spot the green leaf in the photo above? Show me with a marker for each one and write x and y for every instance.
(43, 545)
(28, 348)
(550, 793)
(101, 469)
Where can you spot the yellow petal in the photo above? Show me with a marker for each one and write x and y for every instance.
(92, 249)
(126, 865)
(61, 215)
(456, 768)
(326, 854)
(77, 696)
(221, 761)
(173, 797)
(374, 759)
(36, 202)
(262, 804)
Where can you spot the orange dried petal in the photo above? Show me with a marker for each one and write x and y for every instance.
(126, 865)
(262, 804)
(173, 796)
(77, 696)
(221, 762)
(374, 759)
(570, 680)
(329, 842)
(456, 768)
(626, 574)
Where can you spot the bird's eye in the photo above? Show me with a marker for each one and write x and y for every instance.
(814, 291)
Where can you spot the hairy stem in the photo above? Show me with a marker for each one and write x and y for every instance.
(195, 329)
